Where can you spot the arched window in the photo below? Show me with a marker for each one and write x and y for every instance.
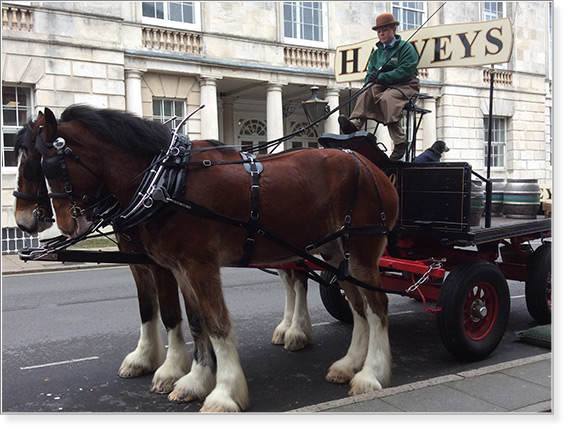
(308, 138)
(251, 133)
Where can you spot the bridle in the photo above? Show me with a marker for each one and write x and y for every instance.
(33, 172)
(55, 168)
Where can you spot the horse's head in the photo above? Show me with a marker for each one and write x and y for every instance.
(71, 174)
(33, 211)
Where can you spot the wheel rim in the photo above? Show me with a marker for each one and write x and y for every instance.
(480, 311)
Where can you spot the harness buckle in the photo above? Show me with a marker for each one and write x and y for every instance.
(207, 162)
(59, 143)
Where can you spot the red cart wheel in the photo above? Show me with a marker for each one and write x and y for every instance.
(475, 305)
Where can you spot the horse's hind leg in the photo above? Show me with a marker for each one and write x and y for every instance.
(295, 331)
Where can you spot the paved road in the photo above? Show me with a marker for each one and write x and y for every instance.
(65, 335)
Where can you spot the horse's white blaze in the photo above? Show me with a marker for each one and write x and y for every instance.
(177, 362)
(149, 352)
(231, 393)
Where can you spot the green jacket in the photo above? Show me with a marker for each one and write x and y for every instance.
(401, 59)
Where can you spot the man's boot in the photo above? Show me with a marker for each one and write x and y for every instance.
(399, 151)
(349, 126)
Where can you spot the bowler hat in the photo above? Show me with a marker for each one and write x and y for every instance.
(385, 19)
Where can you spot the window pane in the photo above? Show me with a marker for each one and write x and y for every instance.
(8, 95)
(179, 109)
(175, 11)
(9, 115)
(10, 158)
(156, 108)
(148, 9)
(159, 10)
(188, 12)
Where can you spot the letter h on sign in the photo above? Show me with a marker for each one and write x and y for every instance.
(346, 61)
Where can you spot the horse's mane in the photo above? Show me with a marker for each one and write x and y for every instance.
(123, 129)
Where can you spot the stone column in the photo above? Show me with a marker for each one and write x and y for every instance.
(275, 114)
(332, 95)
(133, 90)
(209, 114)
(228, 120)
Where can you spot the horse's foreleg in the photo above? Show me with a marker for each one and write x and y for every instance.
(295, 331)
(150, 349)
(343, 370)
(376, 371)
(201, 379)
(230, 392)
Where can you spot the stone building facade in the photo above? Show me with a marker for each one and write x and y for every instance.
(252, 63)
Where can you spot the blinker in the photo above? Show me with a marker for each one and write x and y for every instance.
(52, 168)
(32, 170)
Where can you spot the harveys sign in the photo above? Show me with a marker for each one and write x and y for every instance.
(454, 45)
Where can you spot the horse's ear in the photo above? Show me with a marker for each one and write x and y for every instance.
(50, 126)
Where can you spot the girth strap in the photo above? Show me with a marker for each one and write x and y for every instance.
(254, 168)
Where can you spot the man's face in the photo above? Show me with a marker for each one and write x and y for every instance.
(386, 34)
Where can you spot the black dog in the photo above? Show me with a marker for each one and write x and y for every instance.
(433, 154)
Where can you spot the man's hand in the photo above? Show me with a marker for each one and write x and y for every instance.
(373, 77)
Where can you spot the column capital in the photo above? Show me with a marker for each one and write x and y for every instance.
(274, 86)
(207, 80)
(134, 73)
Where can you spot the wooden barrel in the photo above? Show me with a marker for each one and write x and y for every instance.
(477, 202)
(497, 197)
(521, 198)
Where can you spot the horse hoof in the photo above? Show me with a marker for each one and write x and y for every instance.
(180, 396)
(278, 336)
(337, 377)
(361, 385)
(128, 372)
(163, 387)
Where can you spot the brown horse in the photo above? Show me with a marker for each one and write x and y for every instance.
(156, 286)
(304, 198)
(33, 212)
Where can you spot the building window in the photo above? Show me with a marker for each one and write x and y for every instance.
(308, 138)
(493, 10)
(164, 109)
(304, 21)
(498, 141)
(252, 132)
(16, 111)
(409, 13)
(181, 14)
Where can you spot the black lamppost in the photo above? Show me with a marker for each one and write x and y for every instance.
(314, 107)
